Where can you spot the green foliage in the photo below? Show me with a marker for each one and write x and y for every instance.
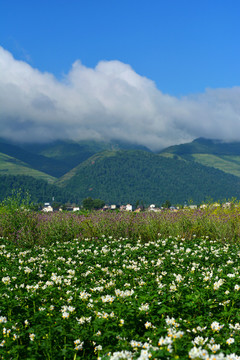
(39, 190)
(120, 298)
(28, 227)
(121, 177)
(90, 204)
(166, 204)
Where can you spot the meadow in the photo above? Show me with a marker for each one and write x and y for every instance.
(120, 285)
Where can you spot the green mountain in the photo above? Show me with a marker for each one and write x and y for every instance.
(52, 167)
(40, 191)
(127, 176)
(72, 153)
(55, 158)
(221, 155)
(104, 170)
(12, 166)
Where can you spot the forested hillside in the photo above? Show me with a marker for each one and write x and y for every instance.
(221, 155)
(127, 176)
(40, 191)
(120, 176)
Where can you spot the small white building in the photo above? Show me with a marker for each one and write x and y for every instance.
(76, 208)
(128, 207)
(152, 207)
(47, 208)
(192, 207)
(113, 207)
(227, 205)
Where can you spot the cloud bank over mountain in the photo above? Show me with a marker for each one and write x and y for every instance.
(108, 102)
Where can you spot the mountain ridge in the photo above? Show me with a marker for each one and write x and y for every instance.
(122, 172)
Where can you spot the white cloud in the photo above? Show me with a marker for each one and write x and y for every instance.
(108, 102)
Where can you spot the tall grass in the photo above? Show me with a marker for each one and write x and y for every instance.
(28, 228)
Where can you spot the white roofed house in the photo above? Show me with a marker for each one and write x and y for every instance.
(128, 207)
(47, 208)
(151, 207)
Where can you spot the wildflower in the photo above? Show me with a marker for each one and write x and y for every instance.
(135, 344)
(215, 326)
(198, 353)
(217, 284)
(3, 319)
(144, 307)
(230, 341)
(107, 298)
(214, 347)
(6, 280)
(199, 340)
(78, 344)
(98, 348)
(65, 315)
(32, 336)
(148, 324)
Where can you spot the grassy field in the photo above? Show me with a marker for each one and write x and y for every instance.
(11, 166)
(120, 285)
(226, 163)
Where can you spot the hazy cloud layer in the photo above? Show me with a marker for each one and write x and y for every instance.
(108, 102)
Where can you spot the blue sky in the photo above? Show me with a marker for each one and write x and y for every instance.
(184, 46)
(154, 72)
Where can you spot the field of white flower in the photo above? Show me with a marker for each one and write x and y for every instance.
(109, 298)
